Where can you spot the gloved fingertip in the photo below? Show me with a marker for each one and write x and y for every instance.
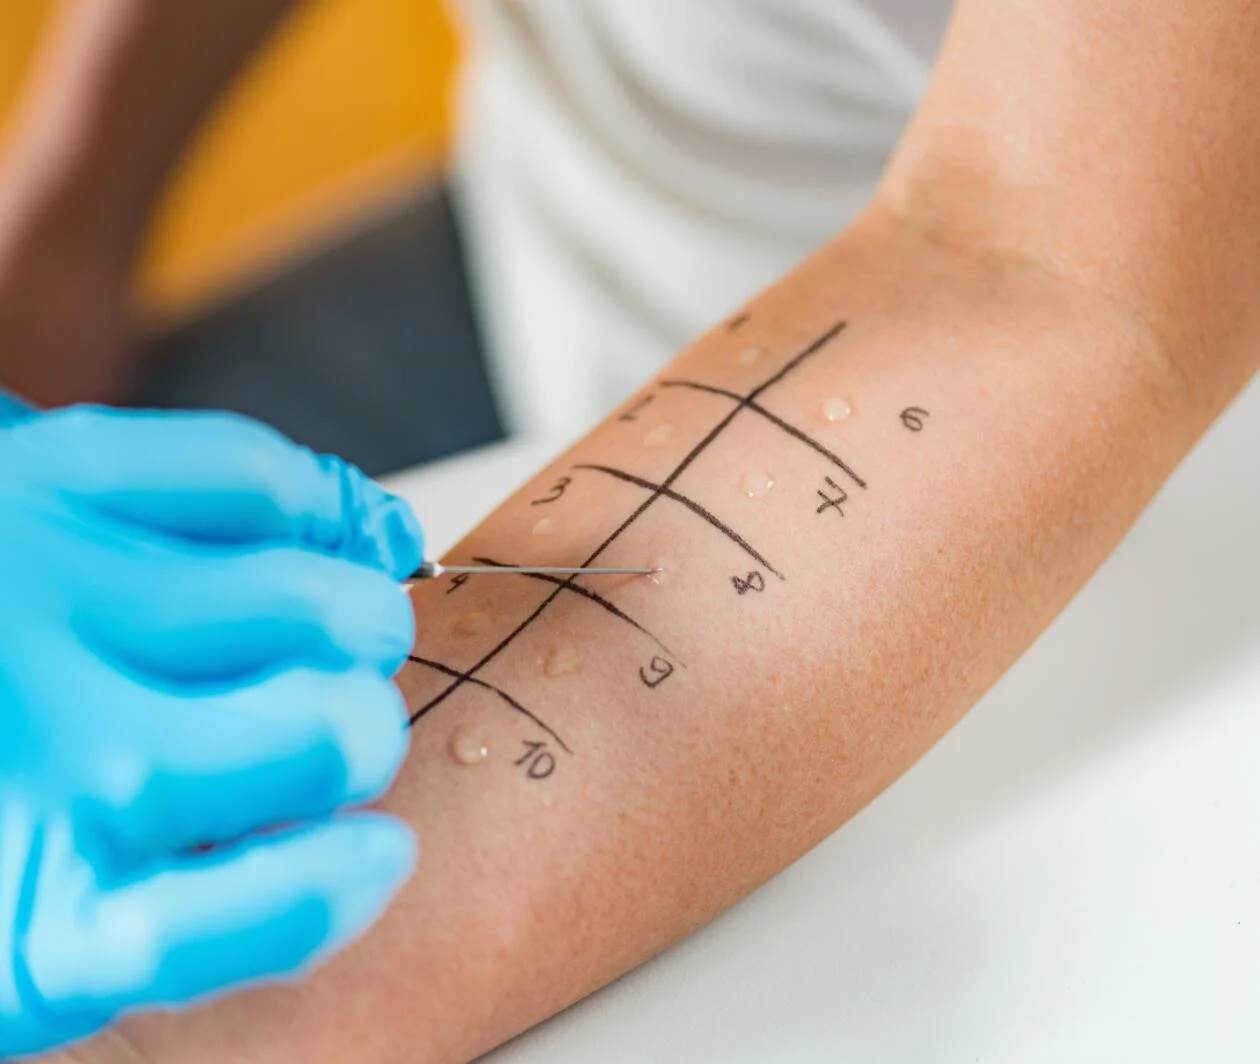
(392, 529)
(374, 740)
(405, 539)
(14, 409)
(395, 633)
(382, 853)
(373, 527)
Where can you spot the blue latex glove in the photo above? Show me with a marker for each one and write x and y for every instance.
(12, 408)
(198, 626)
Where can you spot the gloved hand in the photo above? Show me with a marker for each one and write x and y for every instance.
(198, 626)
(12, 408)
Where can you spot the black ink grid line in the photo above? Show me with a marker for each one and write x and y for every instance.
(813, 348)
(692, 505)
(490, 655)
(712, 435)
(774, 419)
(584, 592)
(446, 670)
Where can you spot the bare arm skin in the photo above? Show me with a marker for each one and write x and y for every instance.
(1059, 275)
(120, 88)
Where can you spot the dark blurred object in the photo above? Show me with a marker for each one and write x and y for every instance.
(369, 350)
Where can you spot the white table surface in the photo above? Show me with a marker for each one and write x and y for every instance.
(1072, 875)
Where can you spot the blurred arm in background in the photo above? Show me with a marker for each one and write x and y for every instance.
(120, 88)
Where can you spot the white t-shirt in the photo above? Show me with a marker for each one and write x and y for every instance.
(629, 171)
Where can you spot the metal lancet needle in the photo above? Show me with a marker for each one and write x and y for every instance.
(431, 569)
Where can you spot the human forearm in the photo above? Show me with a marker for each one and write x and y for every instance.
(788, 708)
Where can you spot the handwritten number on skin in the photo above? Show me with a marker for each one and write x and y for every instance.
(537, 761)
(556, 493)
(833, 501)
(913, 418)
(656, 673)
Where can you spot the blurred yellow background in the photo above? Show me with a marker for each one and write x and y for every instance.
(349, 105)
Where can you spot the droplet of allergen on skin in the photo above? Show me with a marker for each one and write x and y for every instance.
(835, 409)
(658, 435)
(560, 661)
(467, 746)
(545, 527)
(658, 578)
(474, 623)
(748, 356)
(757, 483)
